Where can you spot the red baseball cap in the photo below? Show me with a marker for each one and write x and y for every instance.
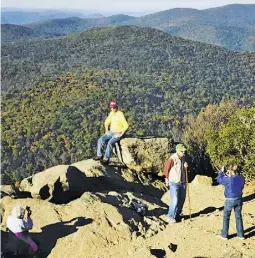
(113, 104)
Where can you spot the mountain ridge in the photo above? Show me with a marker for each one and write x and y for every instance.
(220, 26)
(135, 43)
(20, 17)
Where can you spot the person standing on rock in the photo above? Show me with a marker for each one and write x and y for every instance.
(174, 171)
(118, 126)
(233, 184)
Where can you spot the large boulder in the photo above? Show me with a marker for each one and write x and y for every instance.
(144, 155)
(62, 182)
(7, 190)
(42, 185)
(202, 180)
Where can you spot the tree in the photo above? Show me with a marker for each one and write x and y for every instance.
(234, 143)
(198, 127)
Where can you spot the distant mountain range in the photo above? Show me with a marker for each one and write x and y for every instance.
(231, 26)
(19, 17)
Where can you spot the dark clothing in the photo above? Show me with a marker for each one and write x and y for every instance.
(233, 185)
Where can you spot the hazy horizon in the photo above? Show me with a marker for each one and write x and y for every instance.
(116, 6)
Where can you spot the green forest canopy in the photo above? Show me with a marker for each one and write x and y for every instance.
(57, 91)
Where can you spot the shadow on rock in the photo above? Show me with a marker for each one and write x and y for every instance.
(248, 233)
(205, 211)
(249, 197)
(157, 212)
(112, 181)
(211, 209)
(146, 224)
(159, 253)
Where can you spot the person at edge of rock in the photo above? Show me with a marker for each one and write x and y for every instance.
(175, 177)
(19, 224)
(233, 188)
(118, 126)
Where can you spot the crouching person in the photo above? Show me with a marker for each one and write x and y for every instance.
(19, 223)
(233, 184)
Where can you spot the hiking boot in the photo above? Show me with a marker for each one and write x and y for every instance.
(105, 162)
(221, 237)
(97, 158)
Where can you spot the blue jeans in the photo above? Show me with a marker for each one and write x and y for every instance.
(235, 204)
(177, 196)
(101, 142)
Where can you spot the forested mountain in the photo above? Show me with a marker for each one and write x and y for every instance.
(57, 90)
(231, 26)
(22, 16)
(12, 33)
(126, 47)
(234, 15)
(234, 38)
(75, 24)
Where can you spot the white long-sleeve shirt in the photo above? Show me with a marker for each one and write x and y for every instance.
(16, 225)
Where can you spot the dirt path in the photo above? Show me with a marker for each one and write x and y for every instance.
(197, 238)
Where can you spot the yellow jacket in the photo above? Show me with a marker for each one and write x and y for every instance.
(117, 122)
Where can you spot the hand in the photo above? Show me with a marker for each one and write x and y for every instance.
(185, 165)
(167, 182)
(117, 135)
(222, 169)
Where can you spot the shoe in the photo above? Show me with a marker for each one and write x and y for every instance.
(97, 158)
(171, 220)
(241, 238)
(105, 162)
(221, 237)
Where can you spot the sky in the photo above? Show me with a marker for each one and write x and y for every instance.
(119, 6)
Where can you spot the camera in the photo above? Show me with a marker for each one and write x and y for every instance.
(224, 169)
(28, 209)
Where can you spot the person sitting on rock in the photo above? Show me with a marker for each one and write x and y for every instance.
(233, 184)
(19, 224)
(174, 171)
(118, 126)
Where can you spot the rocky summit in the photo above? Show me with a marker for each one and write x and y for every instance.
(85, 210)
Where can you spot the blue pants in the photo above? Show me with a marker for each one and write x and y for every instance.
(177, 196)
(235, 204)
(101, 142)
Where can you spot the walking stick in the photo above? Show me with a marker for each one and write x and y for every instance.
(187, 183)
